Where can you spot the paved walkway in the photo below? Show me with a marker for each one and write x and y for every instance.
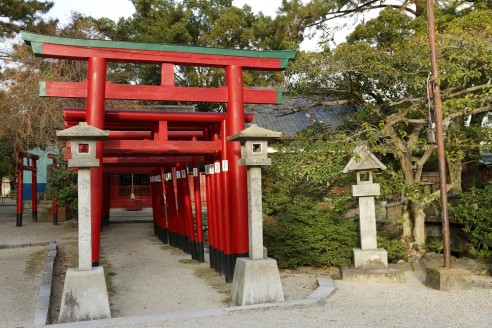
(148, 277)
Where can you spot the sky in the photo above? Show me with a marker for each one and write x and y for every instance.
(114, 9)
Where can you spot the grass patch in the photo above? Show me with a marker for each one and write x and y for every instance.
(108, 274)
(35, 263)
(216, 281)
(188, 261)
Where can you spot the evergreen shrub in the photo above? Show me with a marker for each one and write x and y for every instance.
(395, 248)
(474, 212)
(306, 232)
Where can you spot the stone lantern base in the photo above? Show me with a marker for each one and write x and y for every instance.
(256, 282)
(371, 265)
(85, 296)
(370, 258)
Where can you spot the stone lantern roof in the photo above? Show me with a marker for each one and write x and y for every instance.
(254, 132)
(83, 131)
(363, 160)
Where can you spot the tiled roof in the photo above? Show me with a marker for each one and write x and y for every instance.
(486, 158)
(290, 118)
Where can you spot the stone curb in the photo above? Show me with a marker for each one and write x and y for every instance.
(4, 246)
(318, 297)
(41, 317)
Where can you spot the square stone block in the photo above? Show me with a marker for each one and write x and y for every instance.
(85, 296)
(448, 279)
(256, 282)
(370, 258)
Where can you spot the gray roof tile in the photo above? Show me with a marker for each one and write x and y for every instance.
(290, 118)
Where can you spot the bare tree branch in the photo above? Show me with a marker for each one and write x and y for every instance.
(419, 165)
(364, 7)
(451, 94)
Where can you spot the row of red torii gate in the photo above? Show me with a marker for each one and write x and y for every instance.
(169, 145)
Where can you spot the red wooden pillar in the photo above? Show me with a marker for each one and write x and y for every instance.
(153, 197)
(106, 200)
(237, 174)
(96, 82)
(34, 189)
(218, 201)
(188, 215)
(209, 182)
(171, 209)
(198, 211)
(218, 196)
(162, 188)
(175, 204)
(228, 254)
(183, 243)
(55, 211)
(20, 181)
(156, 192)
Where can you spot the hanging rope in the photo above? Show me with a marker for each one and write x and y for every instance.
(132, 194)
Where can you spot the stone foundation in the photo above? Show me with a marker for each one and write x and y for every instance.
(448, 279)
(256, 282)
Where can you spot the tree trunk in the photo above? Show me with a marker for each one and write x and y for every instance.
(420, 7)
(455, 168)
(417, 210)
(406, 235)
(413, 216)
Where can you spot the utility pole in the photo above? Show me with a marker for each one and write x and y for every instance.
(441, 157)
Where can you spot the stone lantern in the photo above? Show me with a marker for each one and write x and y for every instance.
(363, 163)
(85, 295)
(256, 279)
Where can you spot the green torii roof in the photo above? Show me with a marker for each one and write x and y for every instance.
(37, 41)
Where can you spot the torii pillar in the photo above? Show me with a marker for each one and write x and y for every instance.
(96, 83)
(237, 174)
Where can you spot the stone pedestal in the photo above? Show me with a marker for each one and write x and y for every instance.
(384, 275)
(256, 282)
(85, 296)
(370, 258)
(448, 279)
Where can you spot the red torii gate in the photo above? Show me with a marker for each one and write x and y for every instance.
(21, 167)
(96, 89)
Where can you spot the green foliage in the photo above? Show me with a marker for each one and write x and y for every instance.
(22, 14)
(395, 248)
(62, 185)
(474, 212)
(305, 197)
(435, 244)
(306, 232)
(310, 164)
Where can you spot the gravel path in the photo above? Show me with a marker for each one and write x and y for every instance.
(367, 305)
(149, 278)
